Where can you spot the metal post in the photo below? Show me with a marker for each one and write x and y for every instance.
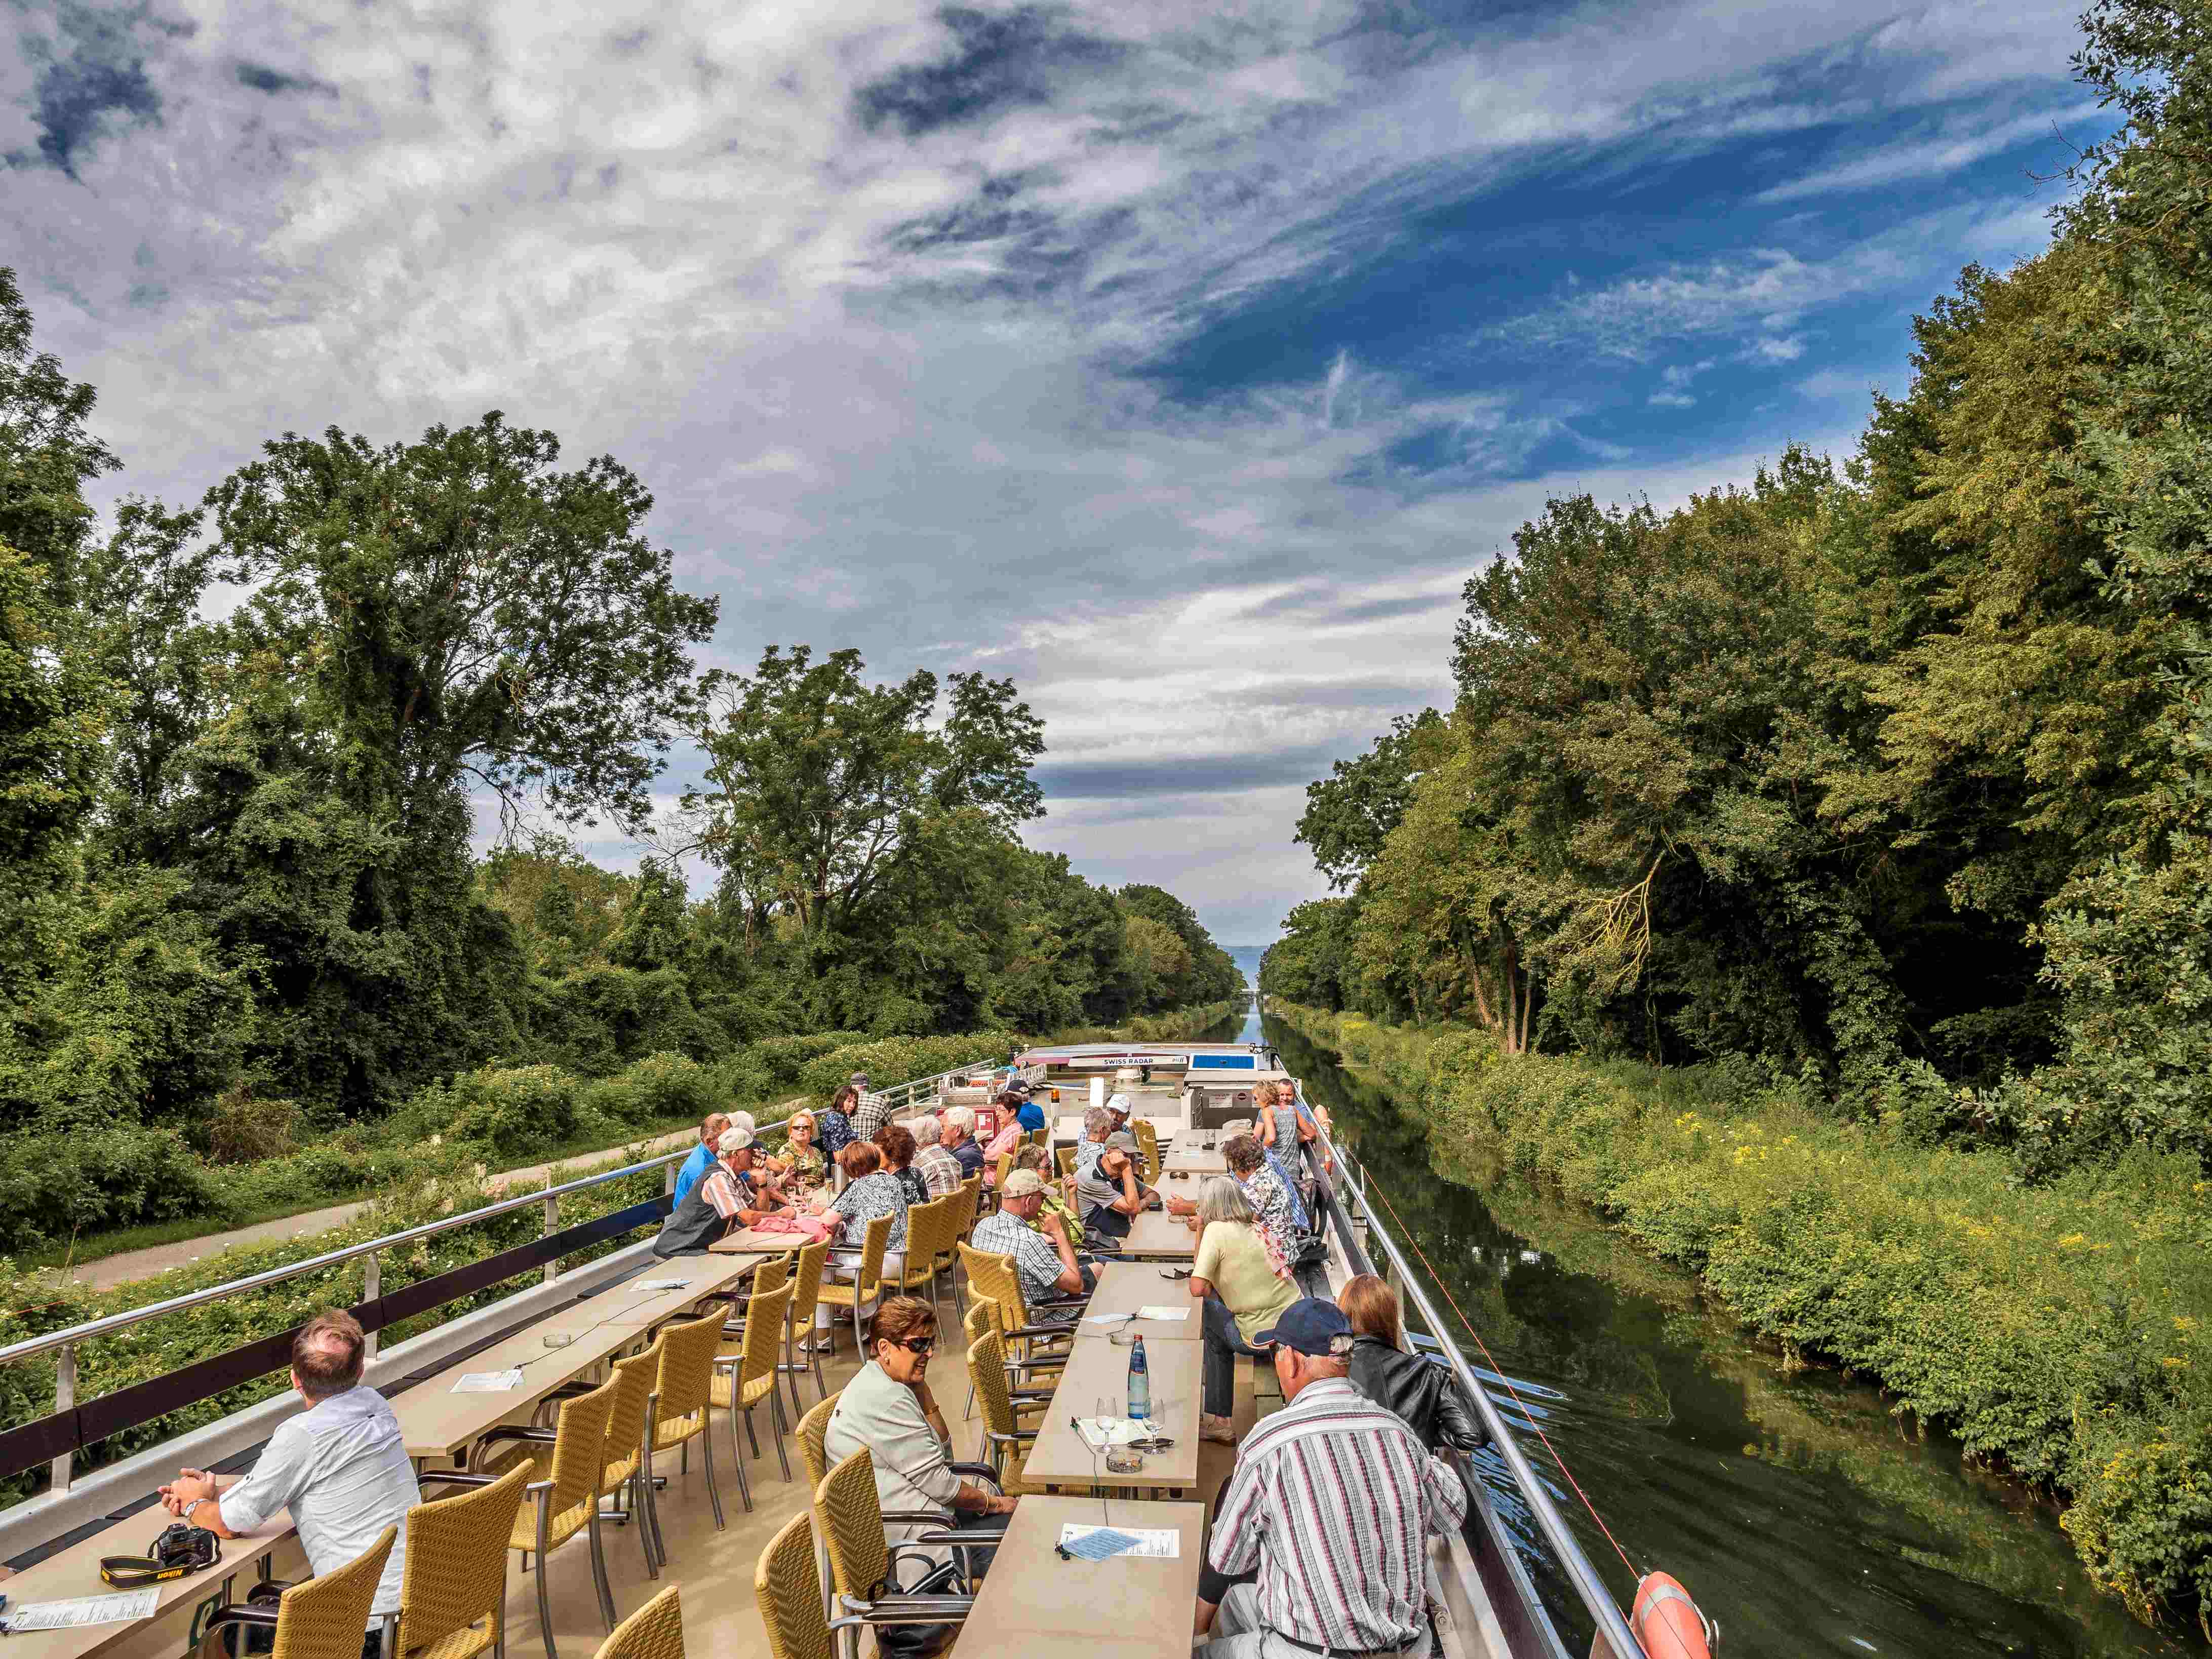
(64, 1400)
(668, 1177)
(372, 1286)
(552, 1226)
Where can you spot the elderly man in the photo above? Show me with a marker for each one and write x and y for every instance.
(1104, 1126)
(1043, 1253)
(873, 1112)
(702, 1156)
(938, 1168)
(734, 1193)
(959, 1138)
(1332, 1504)
(1108, 1194)
(340, 1467)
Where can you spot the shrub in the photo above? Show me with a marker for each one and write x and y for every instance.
(242, 1128)
(656, 1087)
(898, 1060)
(512, 1112)
(55, 1184)
(784, 1055)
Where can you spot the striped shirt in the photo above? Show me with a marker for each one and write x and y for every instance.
(1332, 1502)
(939, 1169)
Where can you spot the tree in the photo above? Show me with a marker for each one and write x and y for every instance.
(823, 791)
(1351, 812)
(462, 610)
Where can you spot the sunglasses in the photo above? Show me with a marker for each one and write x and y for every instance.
(918, 1344)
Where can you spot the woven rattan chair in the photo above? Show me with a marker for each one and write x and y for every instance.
(928, 1229)
(1148, 1143)
(813, 1429)
(683, 1408)
(655, 1630)
(847, 1514)
(995, 1277)
(1006, 1442)
(1063, 1159)
(788, 1590)
(629, 1464)
(324, 1618)
(868, 1281)
(566, 1497)
(744, 1378)
(456, 1573)
(805, 1293)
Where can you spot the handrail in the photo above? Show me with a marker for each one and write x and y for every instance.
(30, 1347)
(1588, 1587)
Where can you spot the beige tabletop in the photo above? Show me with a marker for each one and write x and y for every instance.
(69, 1574)
(1126, 1286)
(1097, 1369)
(1123, 1607)
(1198, 1160)
(1157, 1236)
(750, 1241)
(437, 1422)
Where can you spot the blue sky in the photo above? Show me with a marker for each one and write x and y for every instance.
(1179, 362)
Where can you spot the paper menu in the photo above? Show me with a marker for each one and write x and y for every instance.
(488, 1381)
(1100, 1432)
(1163, 1313)
(1098, 1543)
(84, 1610)
(662, 1285)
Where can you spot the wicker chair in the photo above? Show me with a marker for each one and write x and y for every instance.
(456, 1572)
(807, 1292)
(868, 1280)
(321, 1619)
(1063, 1159)
(1148, 1143)
(629, 1463)
(928, 1229)
(655, 1630)
(788, 1590)
(861, 1560)
(566, 1493)
(994, 1276)
(683, 1406)
(744, 1378)
(1006, 1442)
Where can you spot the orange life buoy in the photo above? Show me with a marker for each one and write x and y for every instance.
(1668, 1622)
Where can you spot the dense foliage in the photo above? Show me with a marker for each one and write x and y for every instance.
(243, 749)
(1888, 778)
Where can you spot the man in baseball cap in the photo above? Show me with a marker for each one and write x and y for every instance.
(1299, 1511)
(1043, 1253)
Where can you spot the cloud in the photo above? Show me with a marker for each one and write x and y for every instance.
(1946, 148)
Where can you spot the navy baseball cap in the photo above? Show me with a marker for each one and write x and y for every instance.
(1312, 1327)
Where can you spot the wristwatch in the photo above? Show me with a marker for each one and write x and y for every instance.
(194, 1505)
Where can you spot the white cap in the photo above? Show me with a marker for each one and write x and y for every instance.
(1122, 1104)
(735, 1140)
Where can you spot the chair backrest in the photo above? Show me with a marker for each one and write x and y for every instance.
(982, 1315)
(327, 1617)
(806, 1283)
(1041, 1137)
(994, 1276)
(771, 1274)
(878, 1240)
(813, 1434)
(922, 1225)
(1148, 1143)
(764, 1317)
(579, 1445)
(634, 1381)
(851, 1523)
(971, 1205)
(987, 1369)
(655, 1630)
(1005, 1168)
(1064, 1158)
(456, 1546)
(789, 1595)
(687, 1366)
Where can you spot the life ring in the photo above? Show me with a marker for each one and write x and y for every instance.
(1667, 1622)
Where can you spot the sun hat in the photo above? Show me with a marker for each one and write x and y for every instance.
(734, 1140)
(1021, 1183)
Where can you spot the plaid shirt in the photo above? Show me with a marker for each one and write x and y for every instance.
(939, 1169)
(869, 1116)
(1003, 1233)
(1333, 1501)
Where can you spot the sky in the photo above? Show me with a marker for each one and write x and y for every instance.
(1179, 362)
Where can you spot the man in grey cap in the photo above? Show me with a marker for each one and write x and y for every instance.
(872, 1111)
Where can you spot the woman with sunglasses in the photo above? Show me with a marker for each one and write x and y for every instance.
(889, 1408)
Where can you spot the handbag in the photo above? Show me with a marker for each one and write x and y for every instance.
(912, 1641)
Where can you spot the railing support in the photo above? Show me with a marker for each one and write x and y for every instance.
(552, 1226)
(372, 1286)
(64, 1400)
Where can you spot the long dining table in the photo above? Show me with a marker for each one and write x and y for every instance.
(1126, 1606)
(1097, 1373)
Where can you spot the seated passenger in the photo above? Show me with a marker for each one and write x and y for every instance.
(1243, 1286)
(957, 1133)
(940, 1169)
(689, 1172)
(895, 1142)
(1110, 1197)
(734, 1193)
(1055, 1202)
(1332, 1505)
(1276, 1206)
(1043, 1253)
(803, 1168)
(1009, 1139)
(870, 1191)
(340, 1467)
(836, 1123)
(1426, 1395)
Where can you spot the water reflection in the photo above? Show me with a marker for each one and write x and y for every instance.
(1801, 1512)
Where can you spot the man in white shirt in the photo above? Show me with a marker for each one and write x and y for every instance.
(340, 1467)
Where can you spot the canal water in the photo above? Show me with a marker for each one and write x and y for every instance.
(1799, 1512)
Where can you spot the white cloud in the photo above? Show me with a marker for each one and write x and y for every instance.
(1955, 143)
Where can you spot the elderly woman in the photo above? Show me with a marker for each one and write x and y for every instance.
(803, 1168)
(895, 1142)
(1277, 1206)
(1243, 1287)
(959, 1137)
(940, 1169)
(1426, 1396)
(870, 1191)
(888, 1409)
(1036, 1158)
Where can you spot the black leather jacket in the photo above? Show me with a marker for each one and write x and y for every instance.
(1423, 1394)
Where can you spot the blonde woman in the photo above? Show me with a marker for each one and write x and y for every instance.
(1242, 1289)
(803, 1167)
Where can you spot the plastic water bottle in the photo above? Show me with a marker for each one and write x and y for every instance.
(1141, 1384)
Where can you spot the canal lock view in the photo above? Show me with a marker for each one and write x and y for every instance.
(1803, 1516)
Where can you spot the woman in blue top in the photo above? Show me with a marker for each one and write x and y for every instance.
(833, 1124)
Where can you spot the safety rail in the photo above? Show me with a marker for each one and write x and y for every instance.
(1613, 1635)
(60, 1433)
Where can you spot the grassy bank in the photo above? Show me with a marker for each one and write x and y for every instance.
(2061, 1331)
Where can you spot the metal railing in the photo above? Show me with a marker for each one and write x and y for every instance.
(1612, 1631)
(63, 1344)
